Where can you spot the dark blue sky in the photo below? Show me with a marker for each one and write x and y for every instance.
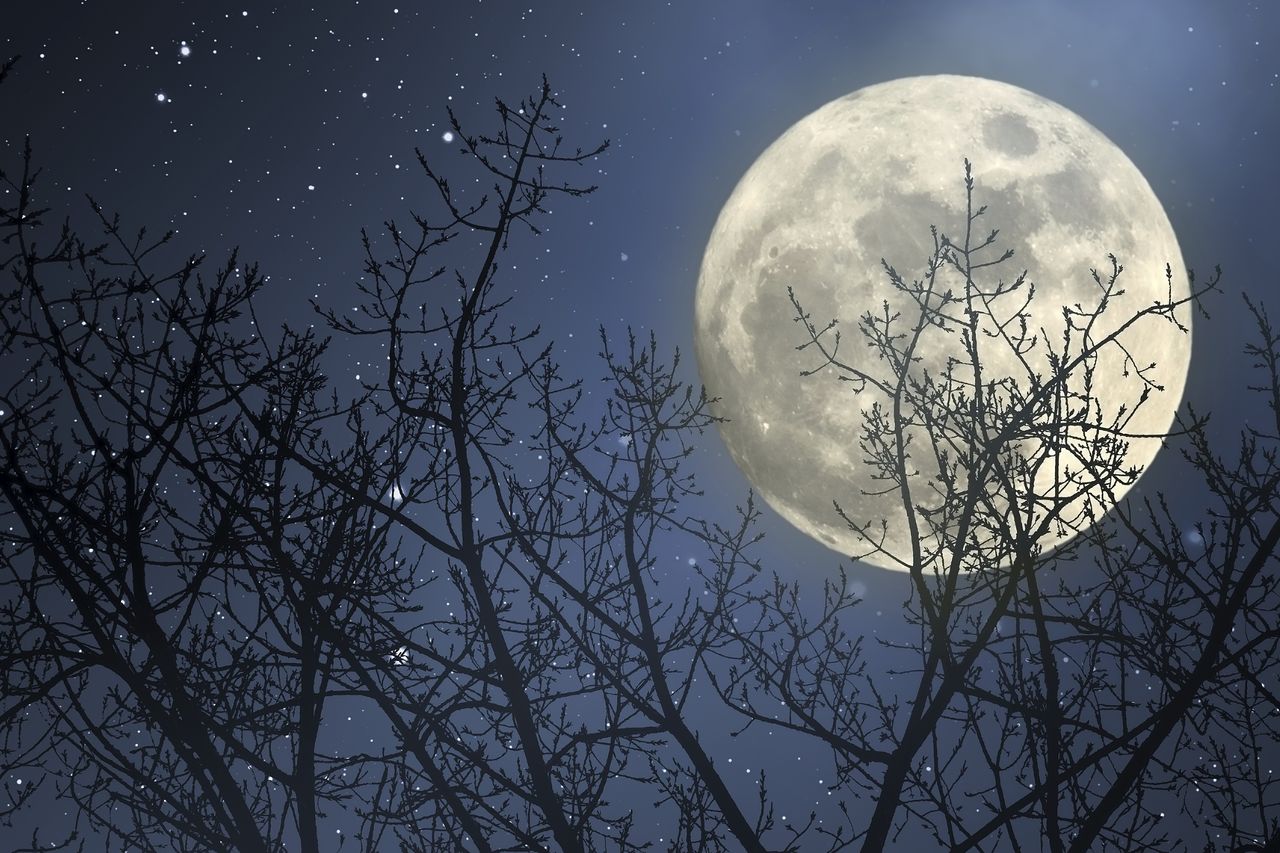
(284, 128)
(273, 100)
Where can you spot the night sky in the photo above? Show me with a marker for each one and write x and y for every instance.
(283, 129)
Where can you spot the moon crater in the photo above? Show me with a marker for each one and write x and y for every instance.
(1010, 134)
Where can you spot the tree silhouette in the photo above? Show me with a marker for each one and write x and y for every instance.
(212, 553)
(563, 609)
(1090, 682)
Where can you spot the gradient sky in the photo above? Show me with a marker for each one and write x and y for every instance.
(284, 128)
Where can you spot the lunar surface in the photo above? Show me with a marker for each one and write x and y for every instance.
(863, 178)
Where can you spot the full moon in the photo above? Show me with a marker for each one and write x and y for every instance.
(863, 178)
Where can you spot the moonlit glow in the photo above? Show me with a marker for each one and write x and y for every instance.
(863, 178)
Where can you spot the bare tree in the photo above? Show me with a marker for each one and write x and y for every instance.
(114, 607)
(174, 583)
(589, 664)
(1102, 685)
(211, 552)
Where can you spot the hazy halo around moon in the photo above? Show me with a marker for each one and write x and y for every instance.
(864, 177)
